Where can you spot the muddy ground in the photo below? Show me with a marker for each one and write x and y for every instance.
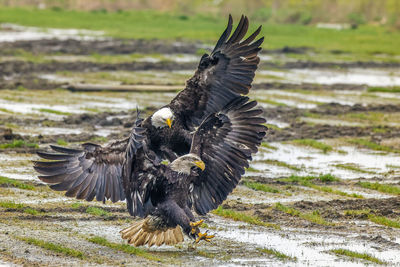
(327, 176)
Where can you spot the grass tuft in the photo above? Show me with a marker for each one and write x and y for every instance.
(124, 248)
(8, 182)
(357, 255)
(372, 145)
(384, 188)
(314, 144)
(280, 164)
(18, 144)
(53, 247)
(313, 217)
(277, 254)
(97, 211)
(52, 111)
(261, 187)
(239, 216)
(394, 89)
(352, 167)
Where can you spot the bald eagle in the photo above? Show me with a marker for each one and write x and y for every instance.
(212, 133)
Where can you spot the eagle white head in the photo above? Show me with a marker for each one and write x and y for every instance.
(162, 117)
(185, 163)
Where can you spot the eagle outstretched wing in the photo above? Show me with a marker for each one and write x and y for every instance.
(221, 76)
(225, 142)
(93, 171)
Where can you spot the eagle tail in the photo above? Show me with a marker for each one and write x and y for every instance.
(145, 232)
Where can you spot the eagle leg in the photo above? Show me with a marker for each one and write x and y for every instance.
(176, 215)
(204, 237)
(195, 226)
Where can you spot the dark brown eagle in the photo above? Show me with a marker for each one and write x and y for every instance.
(211, 135)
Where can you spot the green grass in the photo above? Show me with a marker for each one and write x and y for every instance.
(7, 182)
(383, 221)
(251, 169)
(124, 248)
(384, 188)
(307, 181)
(261, 187)
(272, 102)
(240, 216)
(373, 218)
(372, 145)
(313, 217)
(394, 89)
(280, 164)
(19, 207)
(18, 144)
(62, 142)
(6, 110)
(357, 255)
(314, 144)
(97, 212)
(148, 24)
(266, 145)
(52, 111)
(277, 254)
(352, 167)
(53, 247)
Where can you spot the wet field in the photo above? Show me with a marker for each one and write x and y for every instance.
(323, 189)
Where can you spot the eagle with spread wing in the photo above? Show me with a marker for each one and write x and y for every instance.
(208, 132)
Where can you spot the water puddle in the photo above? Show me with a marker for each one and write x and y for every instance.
(371, 77)
(312, 162)
(308, 246)
(12, 33)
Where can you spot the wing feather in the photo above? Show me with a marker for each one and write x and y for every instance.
(225, 142)
(221, 76)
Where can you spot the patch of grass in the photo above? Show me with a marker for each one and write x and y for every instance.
(62, 142)
(356, 255)
(266, 145)
(394, 89)
(124, 248)
(76, 205)
(372, 145)
(97, 211)
(11, 205)
(18, 144)
(272, 102)
(313, 217)
(239, 216)
(314, 144)
(277, 254)
(52, 111)
(353, 167)
(280, 164)
(384, 188)
(100, 139)
(251, 169)
(261, 187)
(7, 182)
(53, 247)
(19, 207)
(307, 181)
(6, 110)
(383, 221)
(373, 218)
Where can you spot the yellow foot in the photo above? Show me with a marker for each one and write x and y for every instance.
(195, 226)
(204, 237)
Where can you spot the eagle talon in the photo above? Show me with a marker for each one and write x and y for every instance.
(204, 237)
(195, 227)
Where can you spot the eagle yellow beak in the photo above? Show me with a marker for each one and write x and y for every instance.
(200, 164)
(169, 122)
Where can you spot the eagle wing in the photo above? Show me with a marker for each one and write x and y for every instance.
(225, 142)
(93, 171)
(221, 76)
